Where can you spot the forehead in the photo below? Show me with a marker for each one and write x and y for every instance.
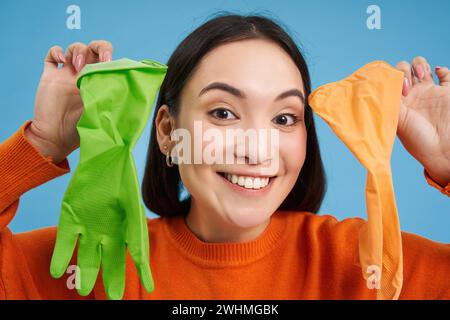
(255, 66)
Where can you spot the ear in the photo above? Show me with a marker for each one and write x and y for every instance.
(165, 124)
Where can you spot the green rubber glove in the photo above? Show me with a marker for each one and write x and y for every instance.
(102, 206)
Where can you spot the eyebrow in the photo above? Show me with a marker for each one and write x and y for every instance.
(238, 93)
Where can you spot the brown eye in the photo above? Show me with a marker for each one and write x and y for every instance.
(285, 119)
(223, 114)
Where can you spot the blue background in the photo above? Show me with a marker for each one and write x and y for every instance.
(334, 39)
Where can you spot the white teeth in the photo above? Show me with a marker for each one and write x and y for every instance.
(257, 183)
(247, 182)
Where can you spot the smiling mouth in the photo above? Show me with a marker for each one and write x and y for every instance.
(247, 182)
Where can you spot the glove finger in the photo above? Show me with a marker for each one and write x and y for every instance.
(113, 270)
(137, 230)
(89, 258)
(145, 274)
(139, 254)
(138, 247)
(62, 252)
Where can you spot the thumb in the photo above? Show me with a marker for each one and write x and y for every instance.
(443, 74)
(402, 118)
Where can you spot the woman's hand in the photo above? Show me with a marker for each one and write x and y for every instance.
(424, 121)
(58, 105)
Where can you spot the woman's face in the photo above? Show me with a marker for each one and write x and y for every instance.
(253, 74)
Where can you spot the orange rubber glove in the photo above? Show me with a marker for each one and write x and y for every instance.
(363, 111)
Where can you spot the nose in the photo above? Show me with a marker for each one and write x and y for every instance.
(251, 154)
(257, 146)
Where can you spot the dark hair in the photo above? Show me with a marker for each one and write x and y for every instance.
(162, 185)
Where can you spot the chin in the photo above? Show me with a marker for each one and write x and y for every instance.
(248, 218)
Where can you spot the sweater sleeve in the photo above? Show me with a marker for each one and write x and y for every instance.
(22, 168)
(426, 265)
(25, 257)
(426, 262)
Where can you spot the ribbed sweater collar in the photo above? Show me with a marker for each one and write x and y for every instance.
(226, 253)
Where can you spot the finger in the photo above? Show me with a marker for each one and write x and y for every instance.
(101, 50)
(113, 270)
(76, 55)
(443, 74)
(422, 69)
(54, 56)
(88, 260)
(407, 81)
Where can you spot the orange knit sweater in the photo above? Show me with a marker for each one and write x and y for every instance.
(299, 256)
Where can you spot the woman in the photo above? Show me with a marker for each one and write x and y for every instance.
(228, 239)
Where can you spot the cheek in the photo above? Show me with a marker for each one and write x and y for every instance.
(293, 151)
(195, 177)
(190, 177)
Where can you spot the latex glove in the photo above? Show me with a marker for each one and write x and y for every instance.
(102, 207)
(363, 111)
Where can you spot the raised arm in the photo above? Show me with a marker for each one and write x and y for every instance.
(37, 153)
